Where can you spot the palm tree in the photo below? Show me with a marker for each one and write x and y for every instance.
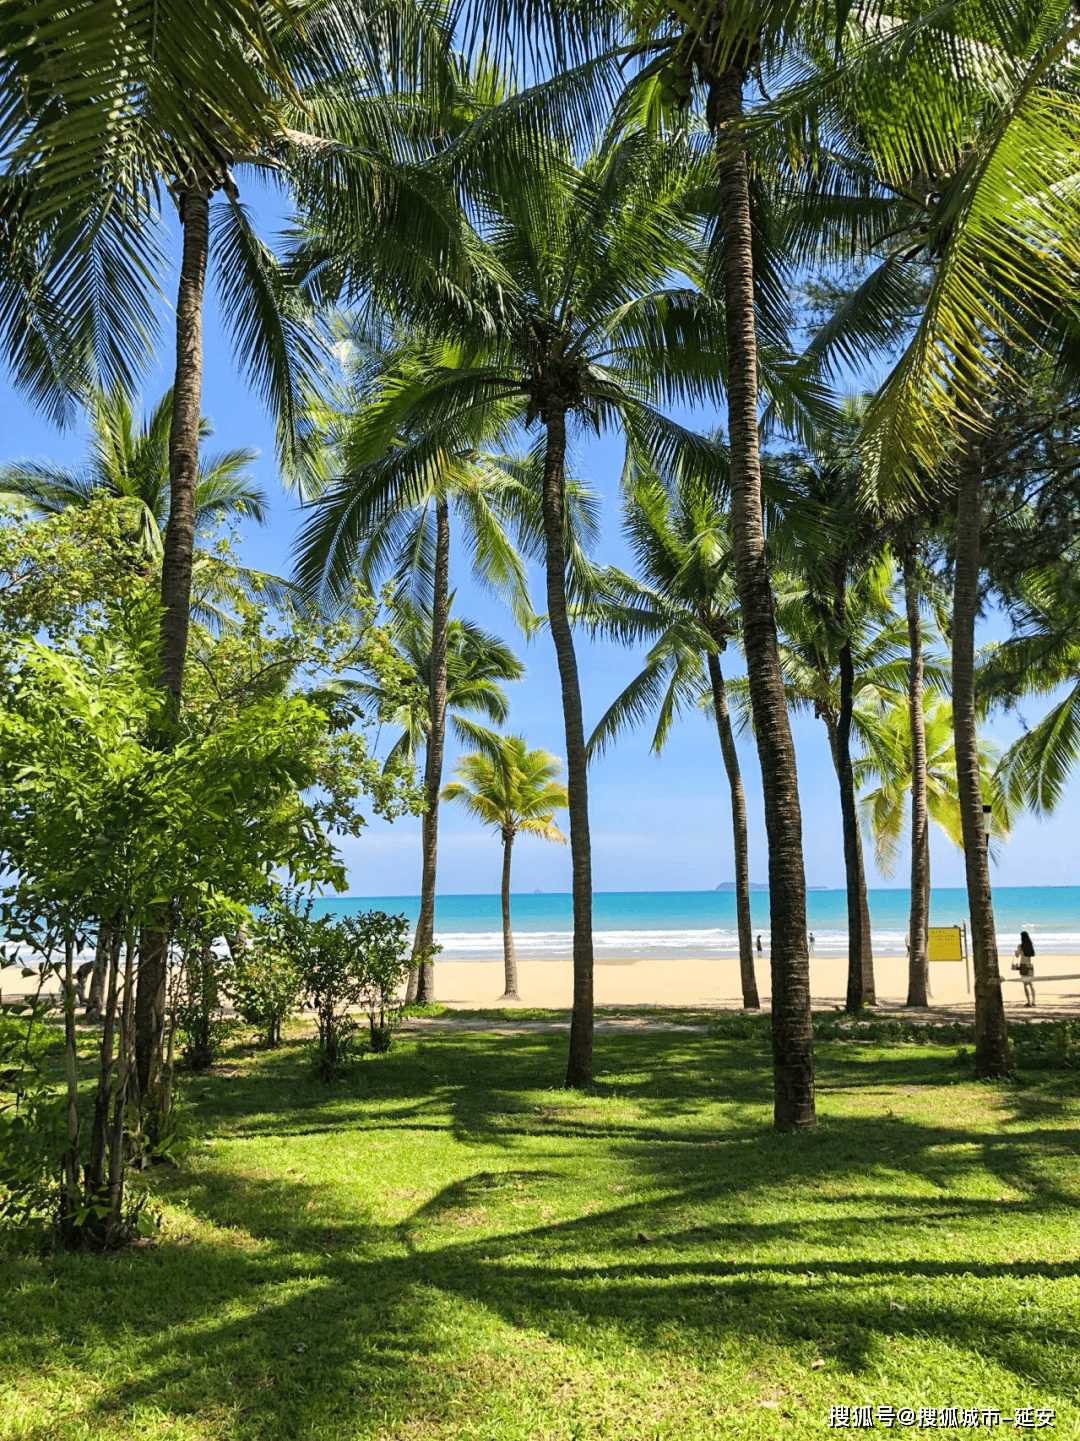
(474, 666)
(129, 462)
(517, 791)
(917, 587)
(887, 760)
(843, 586)
(384, 512)
(715, 46)
(684, 602)
(970, 125)
(186, 103)
(1041, 656)
(836, 656)
(584, 326)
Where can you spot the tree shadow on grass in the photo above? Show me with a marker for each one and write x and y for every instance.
(306, 1302)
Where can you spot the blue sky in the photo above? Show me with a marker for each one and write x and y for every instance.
(658, 823)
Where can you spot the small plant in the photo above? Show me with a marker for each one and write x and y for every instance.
(356, 963)
(268, 977)
(333, 988)
(199, 1020)
(382, 960)
(31, 1131)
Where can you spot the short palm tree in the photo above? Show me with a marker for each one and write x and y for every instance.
(584, 327)
(517, 791)
(886, 760)
(684, 601)
(129, 462)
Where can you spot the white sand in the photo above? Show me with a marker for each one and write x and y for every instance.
(715, 983)
(548, 984)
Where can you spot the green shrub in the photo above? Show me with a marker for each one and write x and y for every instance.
(268, 975)
(32, 1134)
(200, 1022)
(355, 963)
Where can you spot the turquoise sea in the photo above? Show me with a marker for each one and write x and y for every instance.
(640, 924)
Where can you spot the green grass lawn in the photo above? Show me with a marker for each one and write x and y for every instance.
(448, 1245)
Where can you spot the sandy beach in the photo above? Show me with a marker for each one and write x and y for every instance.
(476, 985)
(715, 983)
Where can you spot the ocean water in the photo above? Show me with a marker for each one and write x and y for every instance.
(637, 925)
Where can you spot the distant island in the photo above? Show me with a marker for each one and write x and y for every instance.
(730, 886)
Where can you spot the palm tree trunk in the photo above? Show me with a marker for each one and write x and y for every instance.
(509, 960)
(179, 543)
(792, 1031)
(919, 919)
(579, 1061)
(992, 1057)
(440, 606)
(747, 978)
(860, 984)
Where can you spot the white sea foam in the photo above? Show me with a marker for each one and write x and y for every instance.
(699, 942)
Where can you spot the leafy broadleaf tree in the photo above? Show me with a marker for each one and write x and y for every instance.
(517, 791)
(129, 464)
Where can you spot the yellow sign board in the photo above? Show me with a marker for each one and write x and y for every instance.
(943, 944)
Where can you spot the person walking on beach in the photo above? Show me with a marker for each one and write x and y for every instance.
(810, 942)
(1025, 964)
(759, 945)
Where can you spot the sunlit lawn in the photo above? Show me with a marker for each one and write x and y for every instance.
(448, 1245)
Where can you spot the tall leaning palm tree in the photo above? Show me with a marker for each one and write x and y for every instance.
(711, 49)
(517, 791)
(583, 328)
(683, 601)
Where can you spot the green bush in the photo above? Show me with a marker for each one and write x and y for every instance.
(32, 1135)
(200, 1023)
(355, 963)
(268, 975)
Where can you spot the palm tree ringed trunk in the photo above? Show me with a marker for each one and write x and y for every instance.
(747, 978)
(992, 1056)
(179, 543)
(860, 982)
(176, 564)
(579, 1060)
(440, 607)
(510, 992)
(792, 1029)
(919, 919)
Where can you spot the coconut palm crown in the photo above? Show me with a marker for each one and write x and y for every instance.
(517, 791)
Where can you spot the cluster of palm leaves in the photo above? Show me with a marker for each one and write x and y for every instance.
(518, 224)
